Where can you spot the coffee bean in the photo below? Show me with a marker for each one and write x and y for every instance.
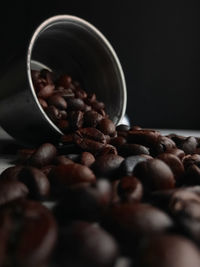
(44, 155)
(132, 149)
(130, 189)
(134, 220)
(87, 159)
(174, 163)
(57, 101)
(42, 102)
(107, 165)
(106, 126)
(92, 118)
(72, 174)
(123, 127)
(76, 119)
(128, 165)
(36, 181)
(94, 246)
(62, 159)
(46, 91)
(75, 104)
(53, 113)
(12, 190)
(189, 160)
(117, 141)
(168, 250)
(155, 175)
(64, 80)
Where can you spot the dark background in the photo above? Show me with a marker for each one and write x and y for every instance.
(157, 43)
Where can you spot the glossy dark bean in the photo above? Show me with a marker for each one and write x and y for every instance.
(44, 155)
(168, 250)
(72, 174)
(64, 80)
(107, 165)
(46, 91)
(163, 144)
(144, 137)
(12, 190)
(75, 104)
(192, 175)
(64, 125)
(62, 159)
(177, 152)
(53, 113)
(36, 181)
(118, 141)
(106, 126)
(76, 119)
(155, 175)
(189, 160)
(189, 145)
(57, 101)
(94, 246)
(174, 163)
(123, 127)
(92, 133)
(11, 173)
(134, 220)
(43, 103)
(130, 189)
(87, 159)
(132, 149)
(128, 165)
(92, 118)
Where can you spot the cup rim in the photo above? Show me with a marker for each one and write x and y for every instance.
(79, 21)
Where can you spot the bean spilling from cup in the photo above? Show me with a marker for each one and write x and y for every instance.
(122, 195)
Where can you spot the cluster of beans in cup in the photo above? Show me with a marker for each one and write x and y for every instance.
(120, 196)
(66, 103)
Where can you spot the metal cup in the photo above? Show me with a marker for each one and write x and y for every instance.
(64, 44)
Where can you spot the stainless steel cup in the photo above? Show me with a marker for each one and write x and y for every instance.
(64, 44)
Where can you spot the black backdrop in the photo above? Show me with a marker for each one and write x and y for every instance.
(157, 43)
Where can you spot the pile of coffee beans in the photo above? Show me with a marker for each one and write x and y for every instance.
(103, 196)
(67, 104)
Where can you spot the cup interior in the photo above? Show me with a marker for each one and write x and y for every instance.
(67, 44)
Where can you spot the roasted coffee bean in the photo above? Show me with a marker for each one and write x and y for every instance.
(130, 189)
(43, 103)
(163, 144)
(57, 101)
(192, 175)
(123, 127)
(189, 160)
(177, 152)
(128, 165)
(67, 175)
(62, 159)
(63, 114)
(107, 165)
(76, 119)
(46, 91)
(30, 234)
(87, 159)
(44, 155)
(64, 125)
(92, 118)
(94, 246)
(11, 173)
(118, 141)
(24, 154)
(132, 149)
(108, 149)
(47, 169)
(188, 145)
(65, 93)
(168, 250)
(12, 190)
(89, 145)
(174, 163)
(147, 138)
(36, 181)
(79, 93)
(53, 113)
(98, 106)
(65, 81)
(106, 126)
(75, 104)
(155, 175)
(92, 133)
(132, 221)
